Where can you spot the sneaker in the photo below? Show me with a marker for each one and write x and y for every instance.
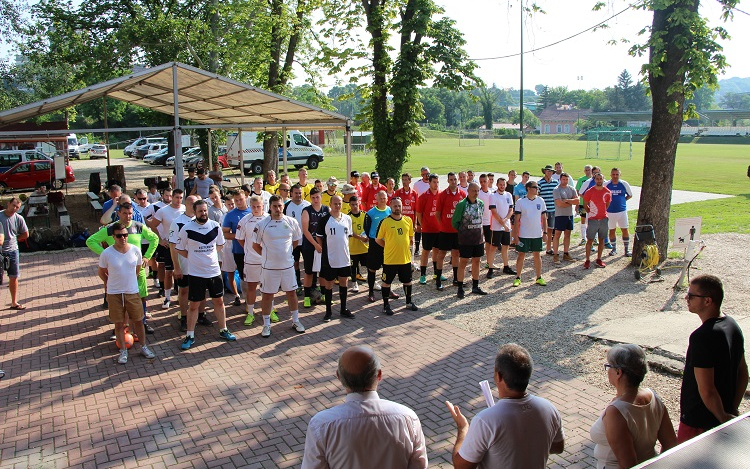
(490, 273)
(517, 282)
(266, 332)
(568, 258)
(439, 287)
(596, 242)
(327, 317)
(307, 303)
(411, 306)
(226, 335)
(183, 324)
(300, 292)
(443, 278)
(550, 253)
(423, 280)
(148, 328)
(355, 287)
(360, 278)
(274, 316)
(298, 327)
(394, 296)
(540, 281)
(204, 321)
(627, 254)
(587, 265)
(508, 271)
(460, 293)
(123, 359)
(377, 286)
(600, 263)
(556, 258)
(105, 305)
(166, 304)
(387, 311)
(237, 301)
(371, 298)
(112, 336)
(249, 319)
(613, 252)
(478, 291)
(147, 353)
(582, 243)
(156, 283)
(608, 246)
(347, 314)
(148, 316)
(187, 343)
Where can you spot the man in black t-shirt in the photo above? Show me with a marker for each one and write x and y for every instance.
(716, 373)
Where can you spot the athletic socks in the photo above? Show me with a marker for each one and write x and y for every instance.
(342, 297)
(386, 295)
(455, 273)
(613, 241)
(315, 280)
(295, 316)
(423, 270)
(167, 292)
(297, 275)
(407, 290)
(191, 334)
(267, 320)
(626, 242)
(308, 290)
(434, 266)
(371, 280)
(474, 283)
(328, 292)
(438, 273)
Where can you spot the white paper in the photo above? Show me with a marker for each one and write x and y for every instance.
(488, 398)
(316, 262)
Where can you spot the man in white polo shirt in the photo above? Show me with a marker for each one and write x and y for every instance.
(531, 224)
(253, 260)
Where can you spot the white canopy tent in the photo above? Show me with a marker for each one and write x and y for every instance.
(208, 100)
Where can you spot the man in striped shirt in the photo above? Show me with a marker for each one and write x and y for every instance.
(546, 188)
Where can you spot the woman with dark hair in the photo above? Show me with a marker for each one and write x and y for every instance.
(627, 431)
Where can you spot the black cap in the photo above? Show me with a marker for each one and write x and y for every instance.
(354, 174)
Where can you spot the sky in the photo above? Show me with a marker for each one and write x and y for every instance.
(492, 28)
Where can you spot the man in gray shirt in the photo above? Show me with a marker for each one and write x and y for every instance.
(14, 229)
(202, 184)
(566, 199)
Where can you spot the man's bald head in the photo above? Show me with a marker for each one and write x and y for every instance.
(189, 204)
(359, 369)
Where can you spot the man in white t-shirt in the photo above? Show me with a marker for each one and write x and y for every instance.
(199, 241)
(519, 431)
(161, 222)
(423, 185)
(294, 209)
(531, 224)
(501, 210)
(253, 260)
(275, 239)
(119, 266)
(334, 231)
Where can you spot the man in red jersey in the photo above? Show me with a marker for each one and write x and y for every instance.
(408, 198)
(448, 237)
(371, 193)
(429, 225)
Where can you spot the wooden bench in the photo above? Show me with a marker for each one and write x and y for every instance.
(96, 207)
(92, 196)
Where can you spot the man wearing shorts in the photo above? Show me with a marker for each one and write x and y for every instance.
(546, 185)
(373, 217)
(467, 220)
(229, 228)
(501, 210)
(358, 242)
(161, 222)
(618, 211)
(395, 236)
(531, 224)
(566, 199)
(597, 200)
(448, 237)
(294, 209)
(581, 211)
(408, 198)
(14, 229)
(334, 232)
(119, 268)
(199, 242)
(275, 238)
(311, 216)
(253, 260)
(485, 192)
(429, 224)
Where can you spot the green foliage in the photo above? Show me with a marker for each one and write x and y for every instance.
(529, 119)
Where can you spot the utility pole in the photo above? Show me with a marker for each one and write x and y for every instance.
(520, 112)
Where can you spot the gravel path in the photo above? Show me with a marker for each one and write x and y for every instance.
(546, 320)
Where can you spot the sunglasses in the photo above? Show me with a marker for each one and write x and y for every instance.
(689, 296)
(141, 198)
(120, 235)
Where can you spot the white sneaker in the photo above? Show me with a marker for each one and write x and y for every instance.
(123, 357)
(156, 283)
(355, 288)
(377, 286)
(266, 332)
(414, 267)
(147, 353)
(297, 326)
(166, 304)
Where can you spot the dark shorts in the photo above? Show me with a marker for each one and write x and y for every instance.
(183, 282)
(11, 260)
(374, 255)
(487, 231)
(359, 259)
(550, 220)
(297, 252)
(500, 238)
(331, 273)
(239, 261)
(447, 241)
(198, 285)
(164, 257)
(530, 245)
(390, 271)
(564, 223)
(429, 241)
(470, 251)
(144, 248)
(308, 255)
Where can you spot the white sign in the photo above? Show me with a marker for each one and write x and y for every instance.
(685, 230)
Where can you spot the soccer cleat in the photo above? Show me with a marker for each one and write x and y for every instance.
(266, 332)
(490, 273)
(355, 287)
(600, 263)
(540, 281)
(237, 301)
(226, 335)
(166, 304)
(508, 271)
(327, 317)
(387, 311)
(568, 258)
(478, 291)
(411, 307)
(123, 359)
(613, 252)
(300, 291)
(550, 252)
(274, 316)
(587, 264)
(422, 280)
(608, 245)
(249, 319)
(307, 303)
(460, 293)
(517, 282)
(443, 278)
(347, 314)
(204, 321)
(298, 327)
(147, 353)
(187, 343)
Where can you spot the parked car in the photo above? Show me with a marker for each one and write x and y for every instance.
(29, 174)
(194, 161)
(144, 150)
(223, 161)
(8, 158)
(97, 151)
(149, 158)
(130, 150)
(160, 158)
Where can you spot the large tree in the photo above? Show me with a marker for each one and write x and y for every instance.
(683, 56)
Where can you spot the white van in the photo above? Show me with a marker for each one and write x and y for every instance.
(9, 158)
(130, 149)
(300, 152)
(73, 147)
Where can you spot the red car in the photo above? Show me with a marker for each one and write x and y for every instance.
(28, 174)
(223, 160)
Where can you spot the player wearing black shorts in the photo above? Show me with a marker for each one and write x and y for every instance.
(311, 216)
(334, 231)
(467, 220)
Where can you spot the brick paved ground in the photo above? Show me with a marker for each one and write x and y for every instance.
(65, 402)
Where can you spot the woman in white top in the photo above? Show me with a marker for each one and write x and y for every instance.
(627, 431)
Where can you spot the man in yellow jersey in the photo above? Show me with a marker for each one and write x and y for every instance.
(326, 195)
(271, 185)
(358, 242)
(305, 185)
(396, 236)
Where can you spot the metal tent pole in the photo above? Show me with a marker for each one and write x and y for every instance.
(178, 163)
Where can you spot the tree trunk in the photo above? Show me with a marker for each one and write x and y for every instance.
(661, 143)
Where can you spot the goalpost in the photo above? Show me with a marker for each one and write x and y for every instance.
(609, 144)
(471, 138)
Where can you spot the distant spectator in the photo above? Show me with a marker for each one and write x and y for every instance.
(366, 431)
(519, 431)
(201, 184)
(14, 229)
(189, 182)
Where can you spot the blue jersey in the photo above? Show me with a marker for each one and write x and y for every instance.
(620, 192)
(373, 217)
(519, 191)
(231, 220)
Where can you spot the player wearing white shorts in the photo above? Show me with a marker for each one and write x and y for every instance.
(275, 238)
(253, 260)
(618, 211)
